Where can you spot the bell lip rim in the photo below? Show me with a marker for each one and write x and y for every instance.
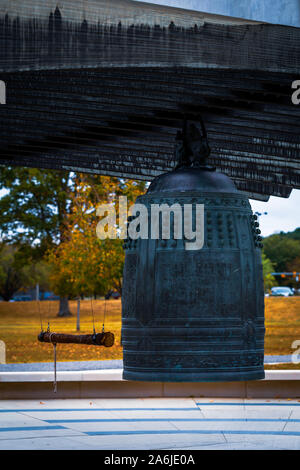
(203, 377)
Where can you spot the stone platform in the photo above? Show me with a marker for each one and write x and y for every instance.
(108, 383)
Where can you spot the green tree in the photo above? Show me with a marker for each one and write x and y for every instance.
(44, 211)
(294, 267)
(16, 276)
(11, 277)
(268, 269)
(82, 264)
(37, 273)
(281, 250)
(33, 211)
(295, 235)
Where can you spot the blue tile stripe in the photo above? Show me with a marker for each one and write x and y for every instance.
(51, 410)
(124, 433)
(158, 432)
(247, 404)
(54, 410)
(32, 428)
(193, 431)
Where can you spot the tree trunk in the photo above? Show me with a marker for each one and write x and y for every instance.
(7, 296)
(78, 315)
(64, 307)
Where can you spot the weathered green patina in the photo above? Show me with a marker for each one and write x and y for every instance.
(195, 315)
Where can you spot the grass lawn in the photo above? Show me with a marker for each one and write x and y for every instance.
(20, 325)
(282, 315)
(286, 366)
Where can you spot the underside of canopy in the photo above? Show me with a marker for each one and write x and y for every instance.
(98, 86)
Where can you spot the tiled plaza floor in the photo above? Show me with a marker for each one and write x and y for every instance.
(150, 423)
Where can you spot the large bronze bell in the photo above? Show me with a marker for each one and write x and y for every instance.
(195, 315)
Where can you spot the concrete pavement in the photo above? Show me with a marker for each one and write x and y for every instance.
(150, 423)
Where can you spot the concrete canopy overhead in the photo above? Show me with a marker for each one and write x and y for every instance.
(103, 86)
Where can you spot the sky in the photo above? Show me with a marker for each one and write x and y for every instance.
(285, 12)
(283, 214)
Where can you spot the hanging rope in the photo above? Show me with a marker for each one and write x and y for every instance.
(49, 310)
(99, 339)
(39, 309)
(104, 315)
(94, 331)
(55, 382)
(54, 359)
(40, 315)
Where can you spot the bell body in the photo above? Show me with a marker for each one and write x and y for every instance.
(195, 315)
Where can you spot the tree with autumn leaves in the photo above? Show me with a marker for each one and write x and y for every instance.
(51, 215)
(84, 265)
(33, 210)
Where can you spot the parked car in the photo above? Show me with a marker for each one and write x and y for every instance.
(282, 291)
(112, 295)
(22, 298)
